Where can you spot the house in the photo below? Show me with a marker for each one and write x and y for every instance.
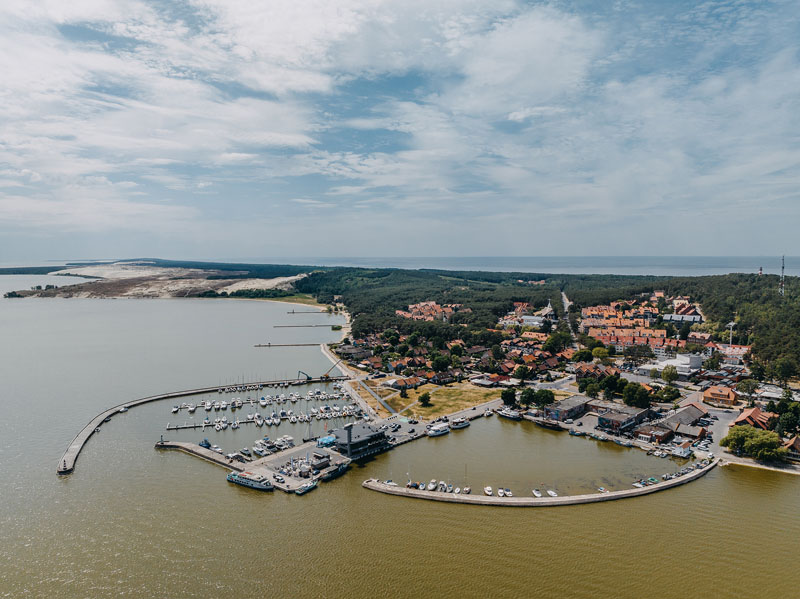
(571, 407)
(720, 395)
(756, 418)
(653, 434)
(686, 416)
(699, 338)
(792, 447)
(684, 450)
(621, 418)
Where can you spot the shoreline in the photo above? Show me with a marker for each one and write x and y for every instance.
(794, 470)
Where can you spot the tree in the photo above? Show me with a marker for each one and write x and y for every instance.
(527, 397)
(685, 330)
(764, 446)
(403, 393)
(522, 372)
(544, 397)
(425, 399)
(546, 327)
(635, 395)
(582, 355)
(669, 374)
(497, 352)
(785, 368)
(655, 374)
(713, 362)
(757, 371)
(593, 390)
(509, 396)
(457, 350)
(638, 354)
(787, 424)
(440, 363)
(601, 353)
(747, 387)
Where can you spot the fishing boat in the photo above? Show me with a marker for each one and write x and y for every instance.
(537, 493)
(248, 479)
(458, 423)
(552, 493)
(306, 487)
(509, 413)
(487, 490)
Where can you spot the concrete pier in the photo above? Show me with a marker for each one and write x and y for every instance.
(67, 462)
(202, 452)
(480, 499)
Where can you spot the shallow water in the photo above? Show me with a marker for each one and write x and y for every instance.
(136, 522)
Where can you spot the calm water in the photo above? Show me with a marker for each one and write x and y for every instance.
(135, 522)
(621, 265)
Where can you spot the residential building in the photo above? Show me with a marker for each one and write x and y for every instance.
(720, 395)
(756, 418)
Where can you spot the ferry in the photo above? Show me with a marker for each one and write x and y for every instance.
(306, 487)
(248, 479)
(438, 430)
(509, 413)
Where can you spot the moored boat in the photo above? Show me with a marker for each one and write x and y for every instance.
(487, 490)
(248, 479)
(306, 487)
(552, 493)
(537, 493)
(458, 423)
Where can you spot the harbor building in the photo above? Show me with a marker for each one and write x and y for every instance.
(621, 418)
(360, 440)
(570, 408)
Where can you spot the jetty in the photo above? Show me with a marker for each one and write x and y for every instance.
(66, 464)
(203, 453)
(381, 487)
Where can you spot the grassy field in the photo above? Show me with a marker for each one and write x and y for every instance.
(299, 298)
(382, 391)
(448, 399)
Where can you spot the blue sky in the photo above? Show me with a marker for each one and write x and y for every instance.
(218, 129)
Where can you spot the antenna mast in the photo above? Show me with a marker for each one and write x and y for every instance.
(781, 288)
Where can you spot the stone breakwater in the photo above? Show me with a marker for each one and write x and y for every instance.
(376, 485)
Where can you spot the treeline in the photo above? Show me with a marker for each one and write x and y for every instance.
(249, 293)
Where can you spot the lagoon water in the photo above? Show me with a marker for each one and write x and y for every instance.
(135, 522)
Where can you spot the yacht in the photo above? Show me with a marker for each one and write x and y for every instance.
(248, 479)
(487, 490)
(537, 493)
(552, 493)
(306, 487)
(457, 423)
(439, 429)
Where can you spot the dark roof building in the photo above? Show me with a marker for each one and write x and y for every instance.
(360, 440)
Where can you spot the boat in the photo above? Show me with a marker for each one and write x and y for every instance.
(537, 493)
(487, 490)
(487, 413)
(432, 485)
(509, 493)
(306, 487)
(174, 409)
(438, 430)
(458, 423)
(216, 448)
(245, 451)
(553, 425)
(107, 419)
(501, 492)
(602, 490)
(248, 479)
(575, 433)
(449, 488)
(466, 490)
(123, 409)
(552, 493)
(205, 443)
(457, 491)
(509, 413)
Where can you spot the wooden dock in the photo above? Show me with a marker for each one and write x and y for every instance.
(67, 462)
(493, 500)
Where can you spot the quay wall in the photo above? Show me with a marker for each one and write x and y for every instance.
(201, 452)
(476, 499)
(67, 462)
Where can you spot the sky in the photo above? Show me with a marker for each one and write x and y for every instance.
(213, 129)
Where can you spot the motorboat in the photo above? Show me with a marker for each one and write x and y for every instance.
(501, 492)
(487, 490)
(449, 488)
(439, 429)
(552, 493)
(457, 491)
(306, 487)
(432, 485)
(537, 493)
(509, 413)
(458, 423)
(509, 493)
(248, 479)
(123, 409)
(175, 409)
(466, 490)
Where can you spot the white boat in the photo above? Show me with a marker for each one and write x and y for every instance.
(487, 490)
(552, 493)
(509, 493)
(537, 493)
(123, 409)
(467, 490)
(501, 492)
(457, 491)
(248, 479)
(432, 485)
(175, 410)
(488, 413)
(458, 423)
(437, 430)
